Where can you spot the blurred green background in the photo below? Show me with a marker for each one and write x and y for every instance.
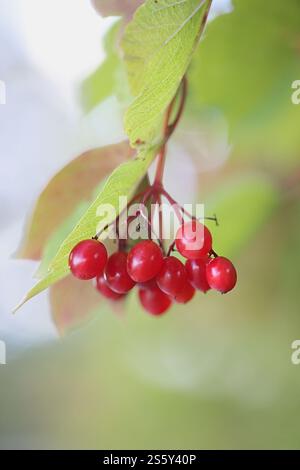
(216, 373)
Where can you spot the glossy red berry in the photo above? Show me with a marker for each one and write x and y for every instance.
(116, 273)
(154, 300)
(193, 240)
(105, 290)
(196, 273)
(186, 293)
(88, 259)
(221, 274)
(172, 276)
(144, 261)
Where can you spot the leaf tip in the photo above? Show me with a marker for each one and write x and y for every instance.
(19, 305)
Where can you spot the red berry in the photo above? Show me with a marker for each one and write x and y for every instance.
(221, 274)
(154, 300)
(88, 259)
(193, 240)
(186, 293)
(144, 261)
(196, 273)
(105, 290)
(172, 276)
(116, 273)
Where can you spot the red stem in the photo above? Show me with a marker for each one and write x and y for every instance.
(169, 128)
(181, 208)
(156, 190)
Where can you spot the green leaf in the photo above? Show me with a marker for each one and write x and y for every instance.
(68, 188)
(122, 183)
(72, 302)
(55, 241)
(102, 82)
(245, 66)
(58, 237)
(242, 205)
(158, 45)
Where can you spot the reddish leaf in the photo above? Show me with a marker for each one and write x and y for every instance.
(116, 7)
(74, 183)
(72, 303)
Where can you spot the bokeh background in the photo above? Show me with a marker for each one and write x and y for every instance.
(216, 373)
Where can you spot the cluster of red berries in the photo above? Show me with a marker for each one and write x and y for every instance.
(160, 279)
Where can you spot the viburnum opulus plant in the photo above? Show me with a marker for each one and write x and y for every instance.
(160, 277)
(158, 45)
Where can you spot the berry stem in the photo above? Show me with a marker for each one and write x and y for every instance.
(171, 248)
(203, 22)
(157, 202)
(177, 207)
(156, 190)
(160, 215)
(150, 227)
(213, 253)
(169, 128)
(160, 165)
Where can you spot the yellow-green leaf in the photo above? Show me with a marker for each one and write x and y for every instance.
(122, 183)
(68, 188)
(158, 45)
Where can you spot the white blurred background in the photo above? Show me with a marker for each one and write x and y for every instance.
(46, 49)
